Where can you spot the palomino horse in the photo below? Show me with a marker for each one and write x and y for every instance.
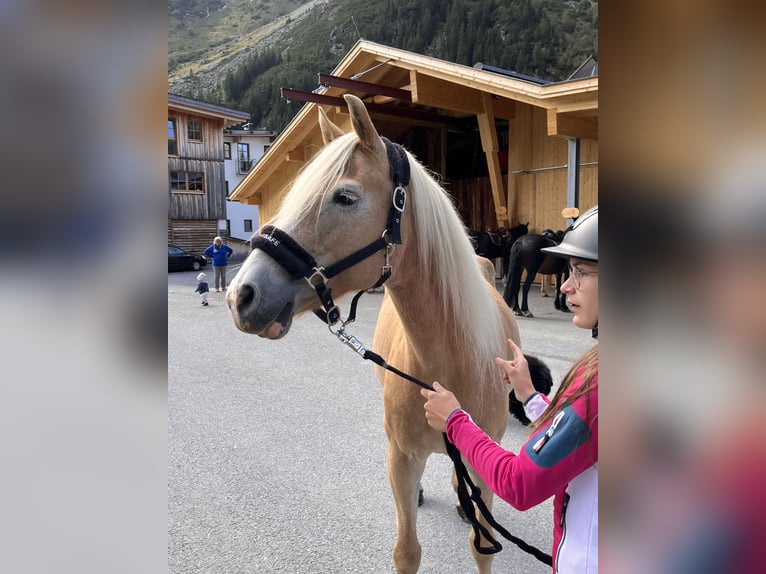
(440, 319)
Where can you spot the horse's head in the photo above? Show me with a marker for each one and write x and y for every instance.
(341, 203)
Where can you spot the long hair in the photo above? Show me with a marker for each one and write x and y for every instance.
(587, 368)
(444, 249)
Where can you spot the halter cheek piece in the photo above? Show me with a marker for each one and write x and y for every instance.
(301, 265)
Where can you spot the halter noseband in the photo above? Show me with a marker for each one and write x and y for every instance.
(301, 265)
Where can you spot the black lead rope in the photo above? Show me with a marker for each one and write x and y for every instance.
(465, 484)
(464, 478)
(467, 491)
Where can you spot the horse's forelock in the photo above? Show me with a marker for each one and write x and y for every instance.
(316, 179)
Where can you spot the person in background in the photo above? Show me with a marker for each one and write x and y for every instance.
(561, 456)
(219, 252)
(202, 288)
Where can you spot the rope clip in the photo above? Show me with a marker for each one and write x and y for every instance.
(349, 340)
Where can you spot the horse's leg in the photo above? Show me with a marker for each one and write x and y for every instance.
(458, 507)
(506, 257)
(511, 291)
(525, 312)
(483, 561)
(404, 472)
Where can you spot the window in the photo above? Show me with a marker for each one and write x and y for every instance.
(226, 150)
(172, 138)
(194, 129)
(249, 225)
(187, 181)
(243, 158)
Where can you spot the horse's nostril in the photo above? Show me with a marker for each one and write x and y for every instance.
(245, 297)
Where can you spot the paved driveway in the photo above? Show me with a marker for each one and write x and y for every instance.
(277, 449)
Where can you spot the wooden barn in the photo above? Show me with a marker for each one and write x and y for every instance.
(509, 148)
(196, 181)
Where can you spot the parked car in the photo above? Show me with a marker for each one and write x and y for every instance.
(181, 260)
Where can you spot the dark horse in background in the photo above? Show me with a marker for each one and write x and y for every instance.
(497, 245)
(525, 254)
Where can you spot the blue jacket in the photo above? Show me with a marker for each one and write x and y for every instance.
(220, 255)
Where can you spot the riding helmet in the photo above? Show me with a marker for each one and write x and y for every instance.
(581, 240)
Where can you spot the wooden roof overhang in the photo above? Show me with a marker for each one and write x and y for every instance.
(229, 116)
(402, 89)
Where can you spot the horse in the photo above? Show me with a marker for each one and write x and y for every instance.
(440, 318)
(497, 245)
(526, 255)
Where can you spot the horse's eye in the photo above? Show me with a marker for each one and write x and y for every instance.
(345, 197)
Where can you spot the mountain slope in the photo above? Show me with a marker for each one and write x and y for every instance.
(208, 37)
(544, 38)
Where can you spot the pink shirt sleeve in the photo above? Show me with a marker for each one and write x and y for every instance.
(545, 464)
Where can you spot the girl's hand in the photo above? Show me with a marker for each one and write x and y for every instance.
(516, 373)
(440, 403)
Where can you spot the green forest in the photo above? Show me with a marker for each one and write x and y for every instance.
(547, 39)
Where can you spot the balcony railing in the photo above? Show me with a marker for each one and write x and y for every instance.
(244, 165)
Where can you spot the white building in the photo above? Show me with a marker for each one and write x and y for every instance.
(242, 148)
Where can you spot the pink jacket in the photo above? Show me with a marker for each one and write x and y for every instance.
(560, 459)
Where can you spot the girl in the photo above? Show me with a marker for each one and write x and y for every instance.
(561, 456)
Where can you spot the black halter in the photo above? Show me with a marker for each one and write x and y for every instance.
(302, 265)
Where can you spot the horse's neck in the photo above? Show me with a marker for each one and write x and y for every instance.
(422, 314)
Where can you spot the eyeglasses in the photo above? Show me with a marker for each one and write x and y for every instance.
(577, 274)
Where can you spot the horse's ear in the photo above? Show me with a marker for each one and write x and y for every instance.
(361, 121)
(329, 130)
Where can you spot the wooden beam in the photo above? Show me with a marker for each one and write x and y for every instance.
(489, 143)
(296, 154)
(303, 96)
(572, 126)
(365, 87)
(412, 114)
(504, 108)
(433, 92)
(520, 137)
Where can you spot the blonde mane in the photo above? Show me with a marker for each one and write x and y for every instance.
(446, 255)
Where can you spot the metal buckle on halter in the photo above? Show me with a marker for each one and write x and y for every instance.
(334, 310)
(399, 198)
(318, 272)
(387, 267)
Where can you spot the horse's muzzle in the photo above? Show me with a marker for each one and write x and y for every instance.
(253, 314)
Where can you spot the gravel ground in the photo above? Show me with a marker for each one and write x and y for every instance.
(277, 449)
